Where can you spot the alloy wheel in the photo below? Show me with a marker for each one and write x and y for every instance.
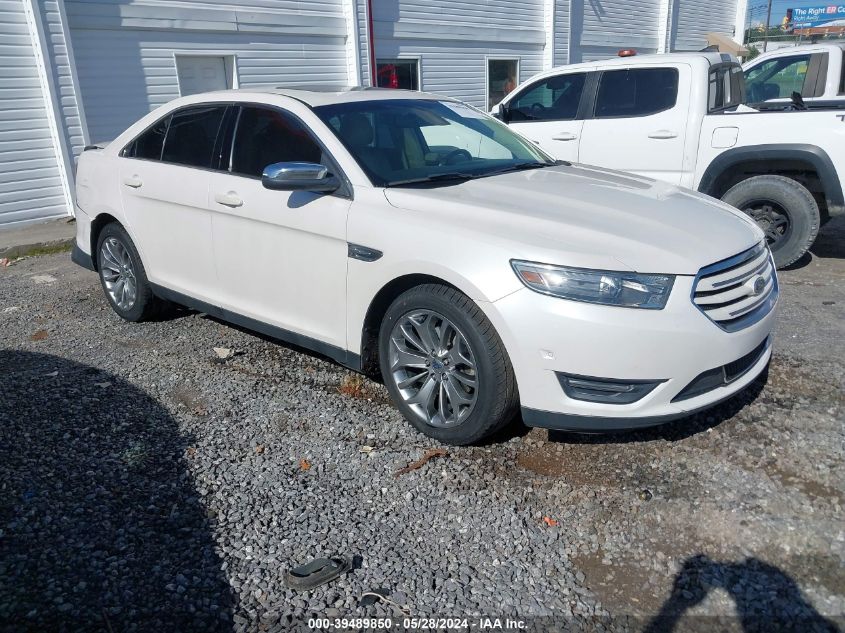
(434, 368)
(118, 273)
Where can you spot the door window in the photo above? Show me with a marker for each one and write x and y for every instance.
(551, 99)
(398, 73)
(265, 136)
(777, 78)
(149, 144)
(636, 92)
(192, 134)
(502, 77)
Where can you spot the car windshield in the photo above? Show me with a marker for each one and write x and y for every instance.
(407, 141)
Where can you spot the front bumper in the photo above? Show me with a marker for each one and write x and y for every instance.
(546, 337)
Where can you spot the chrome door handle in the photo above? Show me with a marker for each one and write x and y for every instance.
(230, 199)
(133, 181)
(565, 136)
(663, 134)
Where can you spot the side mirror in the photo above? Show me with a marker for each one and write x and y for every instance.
(299, 177)
(499, 111)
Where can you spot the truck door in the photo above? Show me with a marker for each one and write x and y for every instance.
(639, 122)
(546, 112)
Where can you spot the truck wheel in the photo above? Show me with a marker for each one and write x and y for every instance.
(784, 209)
(445, 366)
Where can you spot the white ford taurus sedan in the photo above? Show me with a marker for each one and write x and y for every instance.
(416, 239)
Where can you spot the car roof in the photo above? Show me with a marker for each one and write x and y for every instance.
(798, 49)
(326, 95)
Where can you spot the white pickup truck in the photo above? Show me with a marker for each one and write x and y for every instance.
(678, 117)
(815, 71)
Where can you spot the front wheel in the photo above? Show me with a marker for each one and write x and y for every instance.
(445, 366)
(784, 209)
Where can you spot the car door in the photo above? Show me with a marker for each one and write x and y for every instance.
(164, 189)
(638, 122)
(546, 112)
(280, 256)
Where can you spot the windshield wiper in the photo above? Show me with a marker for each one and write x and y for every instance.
(435, 178)
(523, 166)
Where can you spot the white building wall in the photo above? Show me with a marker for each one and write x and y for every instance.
(363, 41)
(125, 53)
(561, 31)
(453, 39)
(32, 183)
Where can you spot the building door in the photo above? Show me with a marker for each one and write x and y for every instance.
(202, 73)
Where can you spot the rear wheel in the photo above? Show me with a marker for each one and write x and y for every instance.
(123, 277)
(784, 209)
(444, 365)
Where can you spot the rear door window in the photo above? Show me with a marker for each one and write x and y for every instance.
(149, 144)
(551, 99)
(636, 92)
(265, 136)
(192, 134)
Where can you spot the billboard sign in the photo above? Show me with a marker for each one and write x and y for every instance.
(817, 17)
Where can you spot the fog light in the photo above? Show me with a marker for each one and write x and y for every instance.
(605, 390)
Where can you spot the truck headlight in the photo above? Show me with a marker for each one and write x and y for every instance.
(606, 287)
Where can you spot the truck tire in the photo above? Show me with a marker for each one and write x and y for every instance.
(784, 209)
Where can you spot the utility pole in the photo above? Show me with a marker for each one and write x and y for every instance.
(766, 31)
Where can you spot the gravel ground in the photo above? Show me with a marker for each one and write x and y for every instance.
(146, 484)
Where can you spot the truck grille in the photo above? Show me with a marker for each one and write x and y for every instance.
(738, 291)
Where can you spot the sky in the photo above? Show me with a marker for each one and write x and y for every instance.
(757, 9)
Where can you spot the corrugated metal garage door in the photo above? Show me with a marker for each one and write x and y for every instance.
(126, 67)
(697, 18)
(600, 29)
(30, 181)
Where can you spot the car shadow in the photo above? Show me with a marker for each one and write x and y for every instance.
(676, 430)
(101, 527)
(767, 599)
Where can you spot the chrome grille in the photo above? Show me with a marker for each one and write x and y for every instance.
(738, 291)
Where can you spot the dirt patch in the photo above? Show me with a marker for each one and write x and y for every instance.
(38, 335)
(792, 376)
(584, 464)
(809, 487)
(189, 399)
(622, 587)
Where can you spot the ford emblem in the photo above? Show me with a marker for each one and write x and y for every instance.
(759, 285)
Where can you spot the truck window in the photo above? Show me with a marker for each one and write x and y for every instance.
(777, 78)
(551, 99)
(726, 88)
(636, 92)
(842, 77)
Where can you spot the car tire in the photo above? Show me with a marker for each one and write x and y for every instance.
(784, 209)
(118, 260)
(469, 351)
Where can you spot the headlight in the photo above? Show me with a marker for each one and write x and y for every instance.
(629, 290)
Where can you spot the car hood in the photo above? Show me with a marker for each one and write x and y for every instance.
(588, 217)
